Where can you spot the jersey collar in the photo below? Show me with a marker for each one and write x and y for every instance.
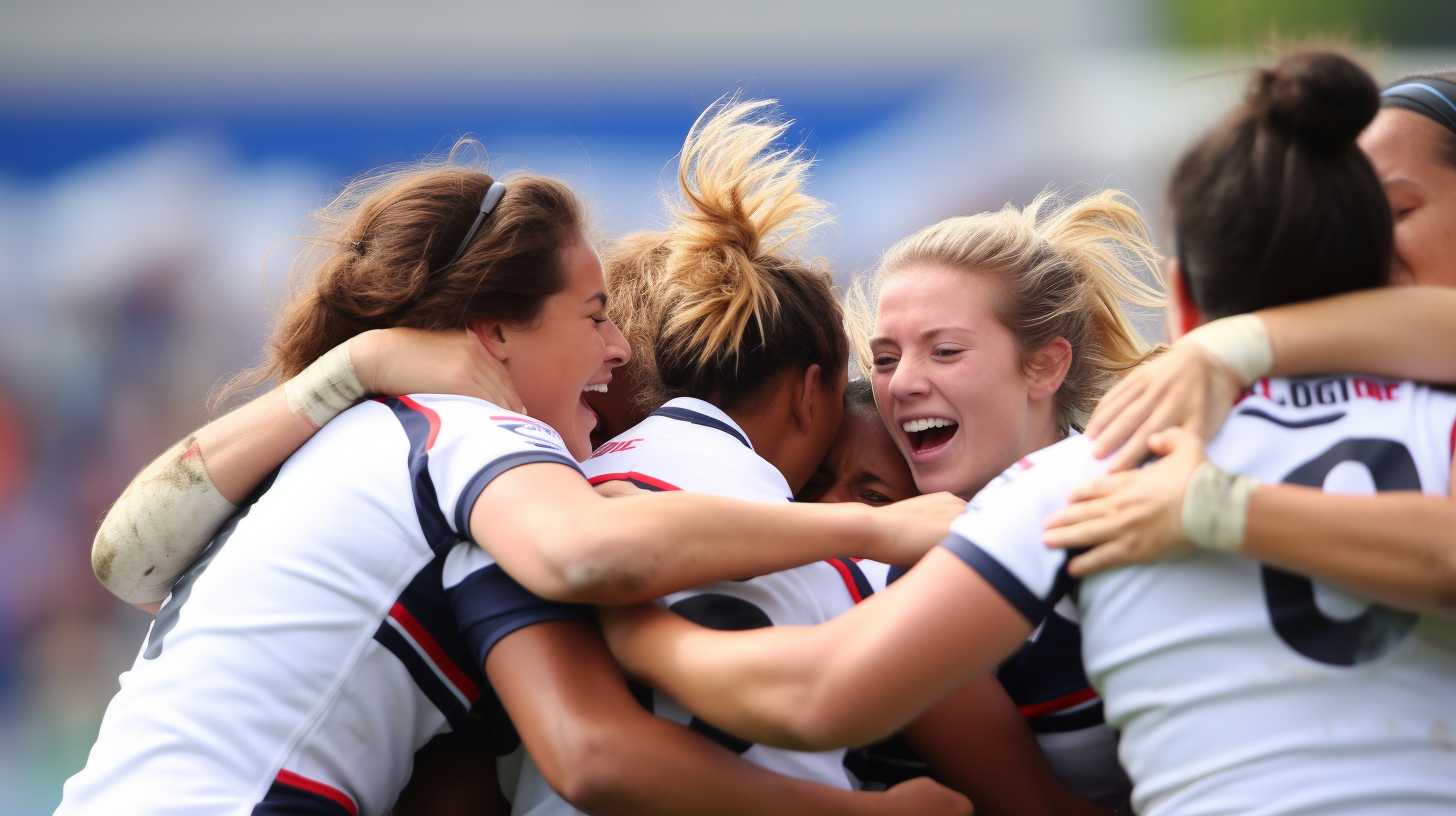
(698, 412)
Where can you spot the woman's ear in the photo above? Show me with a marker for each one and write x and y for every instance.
(1046, 368)
(492, 334)
(1183, 314)
(803, 404)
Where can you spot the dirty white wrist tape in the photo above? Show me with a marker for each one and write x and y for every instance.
(158, 527)
(325, 389)
(1216, 508)
(1240, 342)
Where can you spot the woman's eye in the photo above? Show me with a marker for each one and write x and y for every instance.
(599, 318)
(883, 360)
(944, 353)
(874, 498)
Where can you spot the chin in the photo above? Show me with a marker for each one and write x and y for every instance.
(944, 481)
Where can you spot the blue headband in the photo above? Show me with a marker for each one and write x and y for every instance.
(1431, 97)
(492, 198)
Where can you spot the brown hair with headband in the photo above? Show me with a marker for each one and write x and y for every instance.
(383, 258)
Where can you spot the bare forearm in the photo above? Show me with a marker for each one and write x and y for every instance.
(242, 447)
(1403, 332)
(978, 743)
(754, 687)
(642, 547)
(1398, 549)
(673, 770)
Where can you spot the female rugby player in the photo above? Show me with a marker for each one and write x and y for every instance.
(1235, 691)
(1395, 549)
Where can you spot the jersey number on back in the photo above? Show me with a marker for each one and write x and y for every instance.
(1297, 619)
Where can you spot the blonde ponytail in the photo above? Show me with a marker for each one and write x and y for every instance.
(735, 306)
(1068, 274)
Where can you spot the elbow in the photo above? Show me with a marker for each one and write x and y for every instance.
(591, 773)
(817, 720)
(588, 567)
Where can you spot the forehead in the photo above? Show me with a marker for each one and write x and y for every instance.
(926, 296)
(582, 266)
(1399, 141)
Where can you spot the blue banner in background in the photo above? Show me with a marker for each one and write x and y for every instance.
(344, 133)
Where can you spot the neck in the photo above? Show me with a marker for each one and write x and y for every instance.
(1042, 428)
(772, 437)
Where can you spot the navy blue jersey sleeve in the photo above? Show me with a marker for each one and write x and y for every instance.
(488, 604)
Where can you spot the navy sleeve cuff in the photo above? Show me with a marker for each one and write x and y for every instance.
(1001, 579)
(489, 605)
(487, 474)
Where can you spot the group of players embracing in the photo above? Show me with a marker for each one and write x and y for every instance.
(529, 529)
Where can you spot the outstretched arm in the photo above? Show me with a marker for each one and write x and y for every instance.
(550, 531)
(603, 753)
(176, 504)
(850, 681)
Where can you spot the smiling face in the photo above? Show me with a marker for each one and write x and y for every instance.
(863, 465)
(947, 377)
(1407, 152)
(569, 348)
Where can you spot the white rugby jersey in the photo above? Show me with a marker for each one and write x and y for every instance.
(330, 630)
(689, 444)
(1240, 688)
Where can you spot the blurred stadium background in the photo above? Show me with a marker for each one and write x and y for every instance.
(158, 160)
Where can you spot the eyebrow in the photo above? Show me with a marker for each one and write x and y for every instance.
(599, 296)
(931, 332)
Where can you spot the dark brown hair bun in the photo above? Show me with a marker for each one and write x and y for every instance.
(1319, 98)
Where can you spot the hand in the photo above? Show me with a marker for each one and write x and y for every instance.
(924, 795)
(1185, 387)
(617, 488)
(414, 361)
(1133, 517)
(913, 526)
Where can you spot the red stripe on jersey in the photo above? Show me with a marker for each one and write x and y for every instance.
(1453, 440)
(432, 648)
(848, 579)
(429, 415)
(1066, 701)
(303, 783)
(632, 476)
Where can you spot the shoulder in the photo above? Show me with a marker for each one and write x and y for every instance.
(1039, 482)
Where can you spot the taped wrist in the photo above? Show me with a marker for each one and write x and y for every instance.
(1216, 508)
(325, 389)
(1240, 342)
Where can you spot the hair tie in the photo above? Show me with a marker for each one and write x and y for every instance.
(358, 246)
